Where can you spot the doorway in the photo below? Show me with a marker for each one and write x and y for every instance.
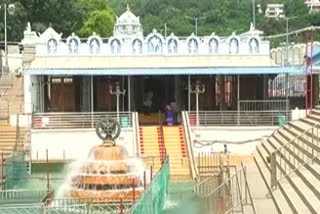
(152, 93)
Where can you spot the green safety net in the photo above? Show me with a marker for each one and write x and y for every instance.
(153, 198)
(16, 170)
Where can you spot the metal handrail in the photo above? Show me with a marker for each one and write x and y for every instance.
(277, 150)
(249, 192)
(15, 194)
(238, 118)
(225, 182)
(185, 121)
(274, 179)
(85, 206)
(220, 164)
(299, 167)
(242, 200)
(63, 120)
(137, 132)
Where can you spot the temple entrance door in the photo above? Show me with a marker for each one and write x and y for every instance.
(62, 95)
(154, 92)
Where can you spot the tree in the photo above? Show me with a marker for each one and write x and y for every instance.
(85, 16)
(64, 16)
(99, 21)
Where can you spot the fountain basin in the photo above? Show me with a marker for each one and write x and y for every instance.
(107, 152)
(109, 179)
(116, 167)
(107, 175)
(109, 195)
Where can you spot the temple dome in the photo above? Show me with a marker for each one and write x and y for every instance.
(128, 25)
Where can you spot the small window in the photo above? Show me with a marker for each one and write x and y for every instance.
(56, 80)
(67, 80)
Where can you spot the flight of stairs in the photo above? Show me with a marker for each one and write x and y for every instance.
(174, 143)
(176, 149)
(10, 139)
(11, 102)
(150, 146)
(300, 191)
(11, 99)
(16, 96)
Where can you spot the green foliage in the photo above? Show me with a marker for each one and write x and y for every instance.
(64, 16)
(222, 16)
(99, 21)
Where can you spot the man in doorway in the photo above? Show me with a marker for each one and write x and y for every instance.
(147, 103)
(169, 115)
(174, 108)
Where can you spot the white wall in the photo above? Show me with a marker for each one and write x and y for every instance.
(24, 120)
(234, 137)
(296, 113)
(27, 93)
(14, 61)
(73, 144)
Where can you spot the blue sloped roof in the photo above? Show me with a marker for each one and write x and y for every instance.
(315, 53)
(168, 71)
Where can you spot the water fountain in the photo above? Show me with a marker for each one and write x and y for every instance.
(108, 174)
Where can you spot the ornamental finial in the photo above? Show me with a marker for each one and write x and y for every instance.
(128, 8)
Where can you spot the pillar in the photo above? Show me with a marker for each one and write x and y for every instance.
(177, 90)
(27, 93)
(85, 94)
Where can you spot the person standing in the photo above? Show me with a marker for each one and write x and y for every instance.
(174, 108)
(169, 115)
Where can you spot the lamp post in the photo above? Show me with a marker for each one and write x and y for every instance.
(254, 13)
(197, 90)
(286, 63)
(287, 37)
(10, 9)
(196, 21)
(117, 92)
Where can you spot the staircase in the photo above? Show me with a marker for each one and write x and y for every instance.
(151, 147)
(16, 96)
(175, 145)
(10, 140)
(11, 102)
(11, 97)
(298, 165)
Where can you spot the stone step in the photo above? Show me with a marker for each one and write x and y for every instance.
(301, 183)
(315, 111)
(297, 205)
(314, 118)
(278, 199)
(304, 193)
(264, 156)
(310, 180)
(301, 125)
(273, 141)
(296, 152)
(268, 147)
(303, 145)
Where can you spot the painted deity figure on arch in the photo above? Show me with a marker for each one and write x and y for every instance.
(234, 46)
(193, 46)
(73, 46)
(52, 46)
(254, 46)
(94, 46)
(137, 47)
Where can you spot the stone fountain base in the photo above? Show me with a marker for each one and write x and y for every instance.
(107, 175)
(106, 195)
